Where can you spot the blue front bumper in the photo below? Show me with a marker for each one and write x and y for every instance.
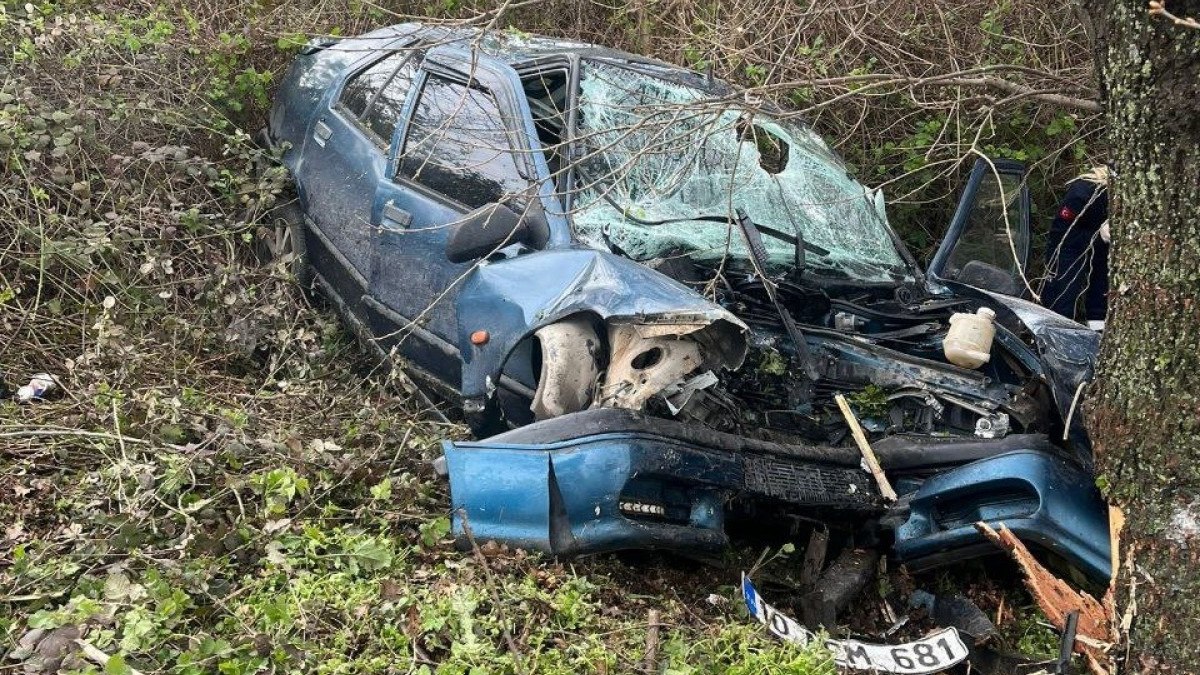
(631, 488)
(603, 481)
(1047, 501)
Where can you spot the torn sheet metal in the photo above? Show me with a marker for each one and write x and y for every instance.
(576, 281)
(931, 654)
(641, 367)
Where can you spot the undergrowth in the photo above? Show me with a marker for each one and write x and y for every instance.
(225, 483)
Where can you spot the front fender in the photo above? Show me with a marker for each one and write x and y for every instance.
(512, 298)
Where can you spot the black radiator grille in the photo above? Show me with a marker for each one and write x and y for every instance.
(810, 484)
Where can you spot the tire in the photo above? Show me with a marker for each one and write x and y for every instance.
(281, 238)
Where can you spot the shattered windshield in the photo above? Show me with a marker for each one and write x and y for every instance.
(657, 154)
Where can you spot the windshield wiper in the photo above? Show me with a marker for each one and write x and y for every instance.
(758, 256)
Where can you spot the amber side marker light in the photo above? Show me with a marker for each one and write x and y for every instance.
(479, 338)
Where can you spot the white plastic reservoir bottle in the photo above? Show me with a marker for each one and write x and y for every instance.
(968, 343)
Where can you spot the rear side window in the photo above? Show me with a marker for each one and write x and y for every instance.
(384, 112)
(360, 90)
(457, 146)
(375, 96)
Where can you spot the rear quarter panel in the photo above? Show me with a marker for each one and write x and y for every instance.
(320, 66)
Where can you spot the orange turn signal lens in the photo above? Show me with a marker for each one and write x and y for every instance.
(479, 338)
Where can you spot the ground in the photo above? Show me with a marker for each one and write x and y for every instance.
(224, 481)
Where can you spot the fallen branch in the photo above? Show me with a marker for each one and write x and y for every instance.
(1159, 7)
(98, 657)
(1057, 599)
(649, 664)
(885, 486)
(51, 432)
(971, 77)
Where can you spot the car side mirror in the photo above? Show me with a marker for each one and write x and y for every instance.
(989, 277)
(494, 226)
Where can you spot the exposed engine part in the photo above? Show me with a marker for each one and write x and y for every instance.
(847, 321)
(679, 395)
(992, 426)
(645, 360)
(570, 368)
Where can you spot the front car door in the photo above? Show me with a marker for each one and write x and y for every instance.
(987, 243)
(465, 146)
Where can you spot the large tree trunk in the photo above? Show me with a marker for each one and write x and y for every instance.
(1145, 410)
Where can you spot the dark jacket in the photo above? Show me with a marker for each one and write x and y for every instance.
(1080, 215)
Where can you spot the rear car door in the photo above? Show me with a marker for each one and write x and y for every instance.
(344, 159)
(987, 243)
(464, 146)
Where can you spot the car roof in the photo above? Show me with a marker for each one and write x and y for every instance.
(522, 50)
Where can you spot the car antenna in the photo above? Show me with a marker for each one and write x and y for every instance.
(758, 256)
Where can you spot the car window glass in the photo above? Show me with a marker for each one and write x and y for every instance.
(456, 145)
(360, 90)
(992, 234)
(384, 111)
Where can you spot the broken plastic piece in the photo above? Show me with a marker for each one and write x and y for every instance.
(956, 611)
(677, 396)
(39, 386)
(839, 584)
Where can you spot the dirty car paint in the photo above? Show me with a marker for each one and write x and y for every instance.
(729, 425)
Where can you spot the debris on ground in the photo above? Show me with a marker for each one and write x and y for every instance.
(932, 653)
(1058, 600)
(40, 386)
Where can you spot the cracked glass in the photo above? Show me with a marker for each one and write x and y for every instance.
(663, 165)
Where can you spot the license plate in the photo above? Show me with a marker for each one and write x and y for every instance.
(934, 652)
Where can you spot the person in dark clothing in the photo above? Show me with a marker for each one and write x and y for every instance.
(1077, 250)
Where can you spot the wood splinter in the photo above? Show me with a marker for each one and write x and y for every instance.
(1057, 600)
(885, 486)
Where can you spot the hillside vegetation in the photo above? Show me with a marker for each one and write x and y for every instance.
(227, 483)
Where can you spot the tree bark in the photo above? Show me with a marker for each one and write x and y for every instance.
(1144, 412)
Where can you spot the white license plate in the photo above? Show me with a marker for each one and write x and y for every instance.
(934, 652)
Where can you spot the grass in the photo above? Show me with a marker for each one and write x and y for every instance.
(225, 484)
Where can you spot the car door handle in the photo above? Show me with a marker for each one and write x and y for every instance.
(321, 132)
(395, 216)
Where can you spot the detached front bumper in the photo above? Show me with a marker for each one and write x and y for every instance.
(611, 479)
(1049, 502)
(608, 479)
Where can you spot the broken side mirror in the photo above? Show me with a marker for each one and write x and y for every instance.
(494, 226)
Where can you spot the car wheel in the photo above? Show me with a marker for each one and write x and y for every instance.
(281, 239)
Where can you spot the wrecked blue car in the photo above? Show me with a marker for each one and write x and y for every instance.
(643, 289)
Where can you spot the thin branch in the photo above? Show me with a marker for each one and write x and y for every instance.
(1160, 7)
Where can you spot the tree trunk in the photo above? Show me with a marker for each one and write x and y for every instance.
(1145, 407)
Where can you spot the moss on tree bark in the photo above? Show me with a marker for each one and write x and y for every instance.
(1145, 406)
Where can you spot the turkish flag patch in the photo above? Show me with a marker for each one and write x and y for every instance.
(1066, 213)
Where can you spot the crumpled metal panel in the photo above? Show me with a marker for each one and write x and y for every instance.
(514, 297)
